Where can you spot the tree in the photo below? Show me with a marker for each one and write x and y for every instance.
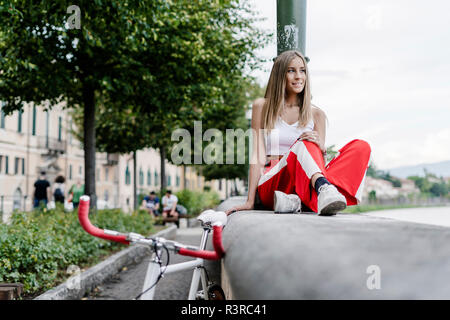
(231, 115)
(439, 189)
(44, 61)
(372, 170)
(172, 59)
(120, 128)
(203, 49)
(372, 196)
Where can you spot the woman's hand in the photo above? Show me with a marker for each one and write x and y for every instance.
(246, 206)
(312, 136)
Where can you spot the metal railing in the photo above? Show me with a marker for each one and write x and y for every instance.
(51, 144)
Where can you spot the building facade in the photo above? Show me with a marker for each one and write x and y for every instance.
(36, 140)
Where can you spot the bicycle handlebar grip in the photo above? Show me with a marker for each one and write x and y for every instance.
(209, 255)
(217, 241)
(83, 217)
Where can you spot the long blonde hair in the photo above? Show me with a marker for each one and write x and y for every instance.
(276, 92)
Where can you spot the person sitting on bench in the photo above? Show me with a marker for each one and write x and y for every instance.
(151, 204)
(169, 202)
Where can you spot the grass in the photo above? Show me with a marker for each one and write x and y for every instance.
(376, 207)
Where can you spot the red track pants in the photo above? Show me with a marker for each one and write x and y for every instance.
(293, 172)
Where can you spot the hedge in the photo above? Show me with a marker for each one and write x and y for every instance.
(37, 247)
(196, 201)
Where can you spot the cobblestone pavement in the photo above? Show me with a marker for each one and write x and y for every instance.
(128, 283)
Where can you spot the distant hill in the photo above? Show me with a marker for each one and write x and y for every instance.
(438, 168)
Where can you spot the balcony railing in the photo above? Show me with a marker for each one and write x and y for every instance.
(112, 159)
(51, 144)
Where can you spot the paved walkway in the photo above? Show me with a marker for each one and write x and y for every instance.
(127, 284)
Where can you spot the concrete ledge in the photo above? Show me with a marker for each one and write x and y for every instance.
(76, 287)
(304, 256)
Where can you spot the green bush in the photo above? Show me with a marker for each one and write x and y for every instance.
(37, 247)
(196, 202)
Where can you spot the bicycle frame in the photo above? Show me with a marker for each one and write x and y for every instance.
(210, 219)
(154, 270)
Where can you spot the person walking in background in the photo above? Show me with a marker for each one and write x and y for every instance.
(41, 191)
(58, 189)
(169, 202)
(75, 192)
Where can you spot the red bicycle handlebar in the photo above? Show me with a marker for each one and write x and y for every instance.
(83, 216)
(204, 254)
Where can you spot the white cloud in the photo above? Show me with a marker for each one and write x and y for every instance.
(381, 71)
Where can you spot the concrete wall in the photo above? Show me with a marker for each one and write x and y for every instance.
(305, 256)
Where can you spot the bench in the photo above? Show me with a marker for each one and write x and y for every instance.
(176, 220)
(10, 291)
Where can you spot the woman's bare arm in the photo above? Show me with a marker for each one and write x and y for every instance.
(318, 134)
(320, 127)
(258, 156)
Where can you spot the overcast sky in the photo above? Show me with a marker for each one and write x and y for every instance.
(380, 69)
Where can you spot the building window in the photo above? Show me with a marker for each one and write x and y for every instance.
(177, 181)
(19, 121)
(156, 178)
(169, 180)
(149, 178)
(220, 184)
(70, 171)
(33, 128)
(6, 164)
(106, 174)
(97, 173)
(127, 176)
(141, 177)
(23, 166)
(2, 116)
(80, 170)
(16, 165)
(59, 128)
(1, 162)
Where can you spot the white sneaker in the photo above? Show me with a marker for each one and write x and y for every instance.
(286, 203)
(330, 200)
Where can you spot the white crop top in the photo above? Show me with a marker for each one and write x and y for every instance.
(283, 135)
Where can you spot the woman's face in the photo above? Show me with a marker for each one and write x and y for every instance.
(295, 76)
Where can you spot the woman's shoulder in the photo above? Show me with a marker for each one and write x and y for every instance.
(257, 113)
(317, 112)
(259, 103)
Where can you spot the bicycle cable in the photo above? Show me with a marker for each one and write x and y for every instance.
(161, 273)
(206, 272)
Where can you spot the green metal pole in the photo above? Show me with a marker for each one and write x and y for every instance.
(291, 25)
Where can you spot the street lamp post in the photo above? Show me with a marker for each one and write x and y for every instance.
(291, 25)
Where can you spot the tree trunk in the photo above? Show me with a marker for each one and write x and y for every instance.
(135, 205)
(162, 152)
(89, 144)
(226, 189)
